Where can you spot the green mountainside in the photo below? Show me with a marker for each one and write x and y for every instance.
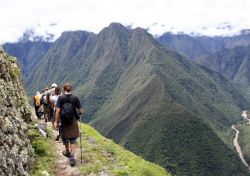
(233, 63)
(194, 47)
(184, 44)
(29, 53)
(148, 98)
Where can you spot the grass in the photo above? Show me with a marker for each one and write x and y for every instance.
(103, 155)
(99, 155)
(45, 158)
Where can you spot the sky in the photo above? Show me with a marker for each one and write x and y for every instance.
(206, 17)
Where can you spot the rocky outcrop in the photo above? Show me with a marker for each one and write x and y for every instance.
(16, 151)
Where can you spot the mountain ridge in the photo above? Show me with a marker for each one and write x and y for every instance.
(194, 47)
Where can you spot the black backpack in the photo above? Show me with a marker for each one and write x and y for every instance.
(68, 112)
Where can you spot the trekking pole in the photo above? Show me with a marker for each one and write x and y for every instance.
(80, 139)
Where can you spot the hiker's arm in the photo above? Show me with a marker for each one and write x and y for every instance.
(79, 106)
(56, 122)
(52, 102)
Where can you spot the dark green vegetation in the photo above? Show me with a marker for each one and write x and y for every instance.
(148, 98)
(233, 63)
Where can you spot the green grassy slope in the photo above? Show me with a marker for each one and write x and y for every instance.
(44, 153)
(103, 154)
(99, 154)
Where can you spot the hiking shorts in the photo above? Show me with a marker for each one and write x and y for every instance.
(69, 140)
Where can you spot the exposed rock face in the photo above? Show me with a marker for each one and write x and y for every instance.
(16, 151)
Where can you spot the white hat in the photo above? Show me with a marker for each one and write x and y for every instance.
(53, 85)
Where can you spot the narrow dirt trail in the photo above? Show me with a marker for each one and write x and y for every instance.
(237, 146)
(63, 167)
(236, 141)
(244, 114)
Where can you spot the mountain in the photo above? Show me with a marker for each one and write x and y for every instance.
(58, 63)
(29, 53)
(184, 44)
(231, 63)
(194, 47)
(148, 98)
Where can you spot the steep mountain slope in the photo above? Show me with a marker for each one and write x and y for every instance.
(59, 63)
(231, 63)
(28, 53)
(196, 46)
(156, 107)
(183, 44)
(148, 98)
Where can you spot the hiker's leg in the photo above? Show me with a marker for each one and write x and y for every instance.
(36, 110)
(66, 144)
(72, 146)
(45, 117)
(72, 151)
(66, 151)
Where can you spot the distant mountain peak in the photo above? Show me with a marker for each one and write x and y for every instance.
(31, 35)
(115, 25)
(245, 31)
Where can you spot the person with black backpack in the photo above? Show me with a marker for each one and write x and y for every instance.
(67, 108)
(46, 104)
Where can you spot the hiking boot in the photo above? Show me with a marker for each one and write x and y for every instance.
(57, 138)
(72, 162)
(66, 153)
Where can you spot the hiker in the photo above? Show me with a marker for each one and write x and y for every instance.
(67, 108)
(51, 93)
(37, 104)
(46, 104)
(53, 101)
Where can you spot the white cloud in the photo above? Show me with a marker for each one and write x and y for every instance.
(93, 15)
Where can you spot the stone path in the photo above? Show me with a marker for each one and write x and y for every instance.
(62, 165)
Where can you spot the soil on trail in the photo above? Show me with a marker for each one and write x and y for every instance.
(237, 146)
(236, 140)
(63, 167)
